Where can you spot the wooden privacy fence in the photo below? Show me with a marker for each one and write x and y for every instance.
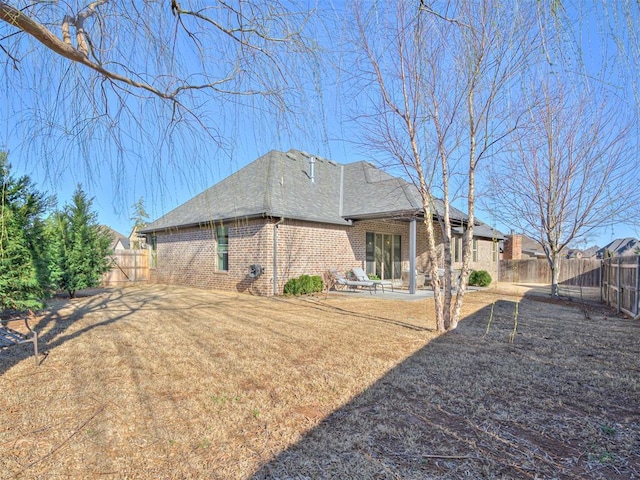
(573, 271)
(621, 283)
(128, 267)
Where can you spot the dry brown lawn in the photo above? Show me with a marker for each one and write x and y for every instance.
(164, 382)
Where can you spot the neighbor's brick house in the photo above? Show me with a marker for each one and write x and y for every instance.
(294, 214)
(518, 246)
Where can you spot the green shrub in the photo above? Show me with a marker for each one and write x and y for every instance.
(306, 284)
(292, 287)
(318, 285)
(480, 278)
(303, 285)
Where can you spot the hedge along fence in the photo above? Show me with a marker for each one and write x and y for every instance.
(621, 284)
(583, 272)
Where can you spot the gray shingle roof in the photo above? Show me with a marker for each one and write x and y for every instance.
(370, 191)
(275, 185)
(279, 184)
(620, 247)
(486, 231)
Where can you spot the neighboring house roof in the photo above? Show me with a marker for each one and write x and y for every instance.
(117, 237)
(590, 252)
(122, 244)
(280, 184)
(620, 247)
(532, 247)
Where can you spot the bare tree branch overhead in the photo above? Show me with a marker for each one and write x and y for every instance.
(163, 70)
(251, 31)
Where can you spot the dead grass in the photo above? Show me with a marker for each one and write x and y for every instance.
(167, 382)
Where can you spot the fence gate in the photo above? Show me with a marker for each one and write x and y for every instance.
(128, 268)
(621, 283)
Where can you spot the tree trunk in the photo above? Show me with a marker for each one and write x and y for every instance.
(467, 241)
(447, 276)
(555, 275)
(433, 266)
(467, 238)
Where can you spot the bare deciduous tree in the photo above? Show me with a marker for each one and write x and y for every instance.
(571, 170)
(443, 72)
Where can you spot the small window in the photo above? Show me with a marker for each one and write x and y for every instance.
(222, 235)
(457, 248)
(475, 250)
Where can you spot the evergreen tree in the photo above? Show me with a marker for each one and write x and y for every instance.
(140, 215)
(139, 218)
(23, 273)
(79, 247)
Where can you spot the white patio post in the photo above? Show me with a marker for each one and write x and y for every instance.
(412, 256)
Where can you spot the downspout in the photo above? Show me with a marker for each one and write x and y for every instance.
(275, 255)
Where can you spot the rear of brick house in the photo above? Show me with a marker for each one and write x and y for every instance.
(292, 214)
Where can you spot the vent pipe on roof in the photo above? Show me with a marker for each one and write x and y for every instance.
(312, 169)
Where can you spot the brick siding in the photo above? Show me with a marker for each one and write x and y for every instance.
(188, 256)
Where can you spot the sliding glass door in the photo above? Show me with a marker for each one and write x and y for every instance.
(384, 256)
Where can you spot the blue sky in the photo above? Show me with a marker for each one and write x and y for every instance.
(140, 163)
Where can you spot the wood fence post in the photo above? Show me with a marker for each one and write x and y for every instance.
(610, 280)
(636, 307)
(607, 274)
(618, 281)
(602, 281)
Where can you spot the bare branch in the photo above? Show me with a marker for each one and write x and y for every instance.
(65, 49)
(25, 23)
(428, 9)
(13, 59)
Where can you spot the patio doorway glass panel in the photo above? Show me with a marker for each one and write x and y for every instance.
(383, 252)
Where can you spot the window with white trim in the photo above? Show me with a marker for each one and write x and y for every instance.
(154, 251)
(457, 248)
(222, 238)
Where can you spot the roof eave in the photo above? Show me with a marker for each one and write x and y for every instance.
(393, 215)
(205, 223)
